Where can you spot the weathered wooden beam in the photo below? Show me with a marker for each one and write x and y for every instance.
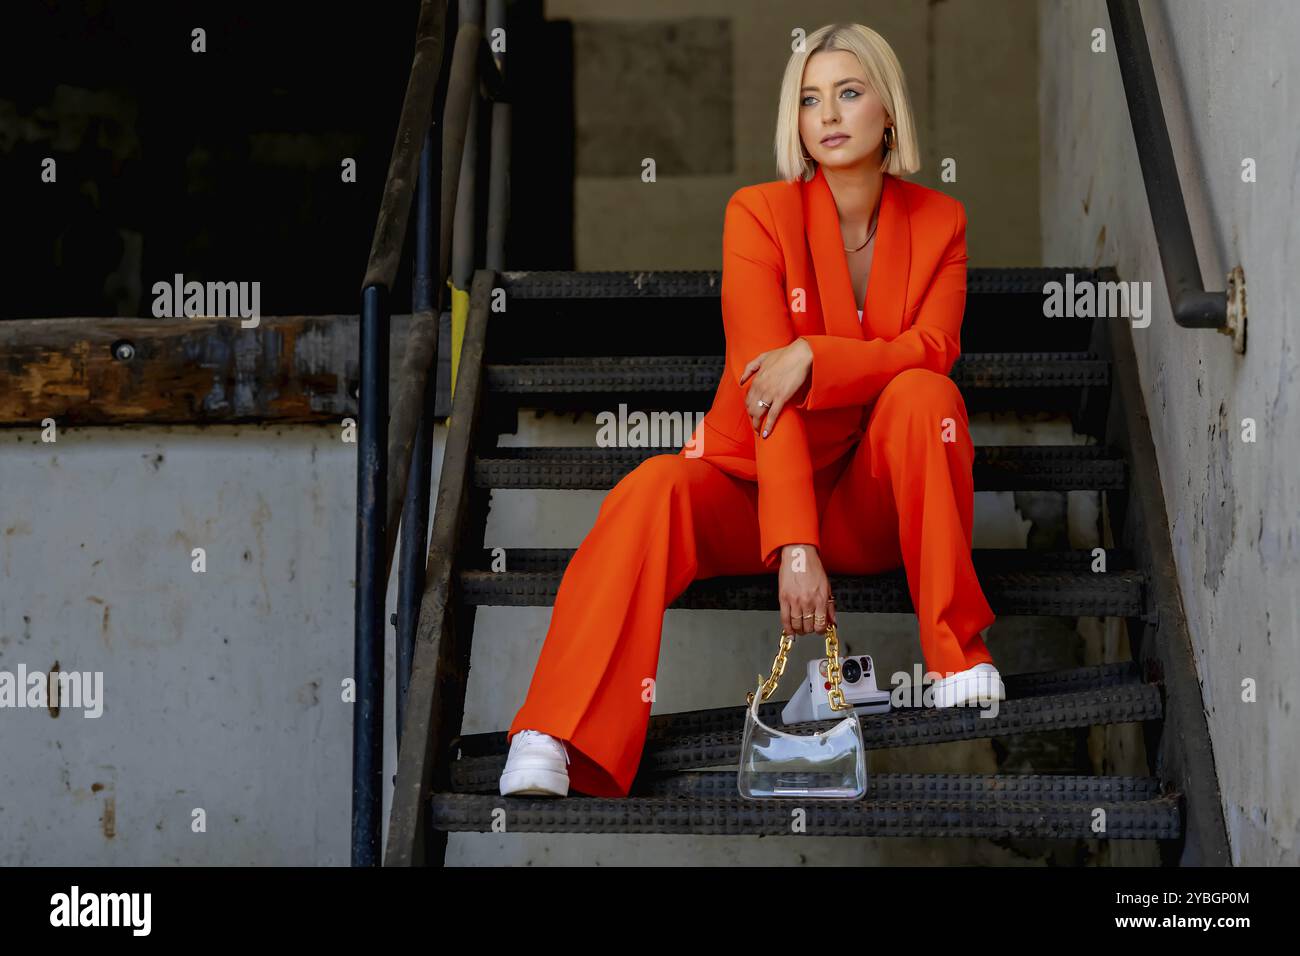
(181, 371)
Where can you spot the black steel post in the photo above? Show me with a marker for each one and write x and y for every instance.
(368, 662)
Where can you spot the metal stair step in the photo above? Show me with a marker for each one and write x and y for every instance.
(1040, 685)
(1015, 582)
(1124, 703)
(573, 377)
(987, 560)
(636, 313)
(1158, 818)
(672, 794)
(481, 776)
(1047, 382)
(671, 284)
(1078, 697)
(996, 467)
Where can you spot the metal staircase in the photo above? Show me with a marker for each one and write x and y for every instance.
(588, 341)
(1012, 359)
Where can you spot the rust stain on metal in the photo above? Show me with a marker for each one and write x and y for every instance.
(52, 697)
(109, 819)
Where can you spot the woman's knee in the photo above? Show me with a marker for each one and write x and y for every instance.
(923, 384)
(918, 405)
(921, 391)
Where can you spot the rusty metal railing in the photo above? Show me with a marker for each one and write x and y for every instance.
(1193, 306)
(394, 451)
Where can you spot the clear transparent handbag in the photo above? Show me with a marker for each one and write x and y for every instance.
(826, 763)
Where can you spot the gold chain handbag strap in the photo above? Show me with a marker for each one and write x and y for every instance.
(833, 693)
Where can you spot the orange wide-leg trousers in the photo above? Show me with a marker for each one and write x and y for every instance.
(902, 496)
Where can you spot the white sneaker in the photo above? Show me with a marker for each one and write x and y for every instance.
(979, 684)
(536, 765)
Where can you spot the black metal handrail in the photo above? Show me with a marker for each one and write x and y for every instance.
(1193, 307)
(403, 443)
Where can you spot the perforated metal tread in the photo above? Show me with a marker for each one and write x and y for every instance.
(1009, 585)
(1022, 787)
(1038, 684)
(901, 728)
(708, 283)
(906, 728)
(608, 375)
(671, 794)
(996, 467)
(987, 560)
(477, 777)
(1154, 819)
(1053, 700)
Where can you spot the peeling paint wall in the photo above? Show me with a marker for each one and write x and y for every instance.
(1229, 75)
(222, 702)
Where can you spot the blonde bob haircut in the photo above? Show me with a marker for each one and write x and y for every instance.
(883, 73)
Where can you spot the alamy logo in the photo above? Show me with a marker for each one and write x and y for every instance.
(37, 689)
(919, 690)
(1098, 300)
(196, 300)
(103, 909)
(659, 429)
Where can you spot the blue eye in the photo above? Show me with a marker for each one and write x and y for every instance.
(806, 99)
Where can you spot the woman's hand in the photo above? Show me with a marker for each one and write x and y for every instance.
(804, 589)
(778, 374)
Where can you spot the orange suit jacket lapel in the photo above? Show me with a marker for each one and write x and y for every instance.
(890, 262)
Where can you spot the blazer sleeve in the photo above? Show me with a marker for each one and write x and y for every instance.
(853, 371)
(756, 318)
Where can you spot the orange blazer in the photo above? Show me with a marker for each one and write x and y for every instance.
(785, 275)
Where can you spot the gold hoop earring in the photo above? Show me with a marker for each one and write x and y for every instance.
(891, 140)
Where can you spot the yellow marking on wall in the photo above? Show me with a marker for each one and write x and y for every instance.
(459, 315)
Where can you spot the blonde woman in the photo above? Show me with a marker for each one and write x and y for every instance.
(836, 438)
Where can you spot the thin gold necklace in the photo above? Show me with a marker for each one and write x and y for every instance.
(869, 235)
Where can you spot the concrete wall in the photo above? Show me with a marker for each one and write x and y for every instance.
(222, 689)
(971, 69)
(1229, 76)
